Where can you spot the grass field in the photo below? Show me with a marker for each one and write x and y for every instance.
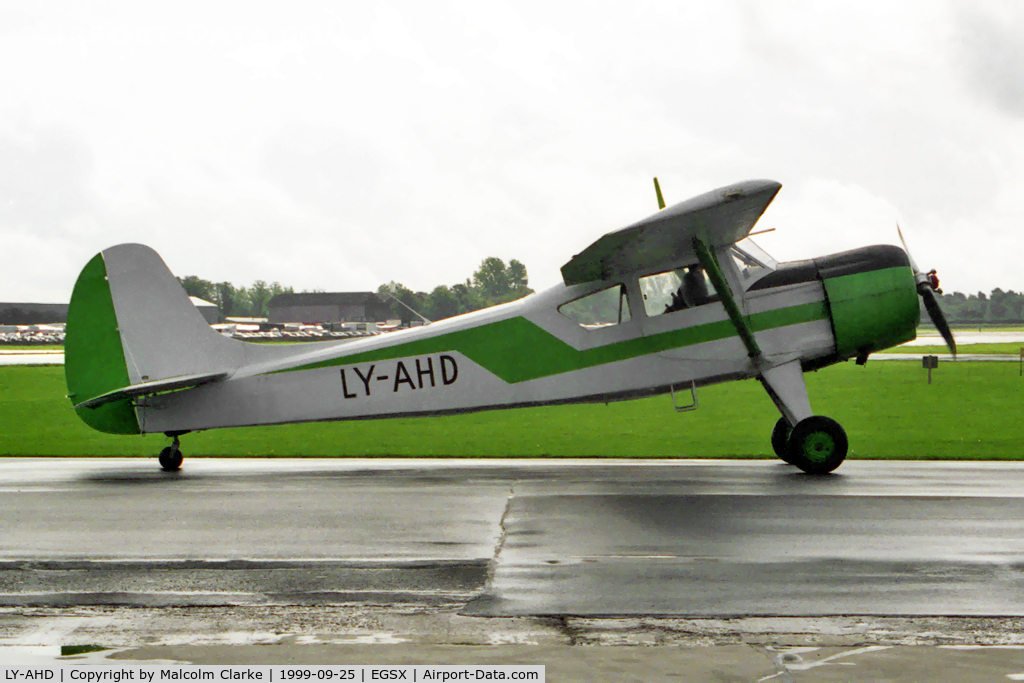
(887, 408)
(59, 348)
(927, 328)
(1012, 348)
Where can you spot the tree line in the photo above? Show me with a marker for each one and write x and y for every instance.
(242, 302)
(494, 282)
(998, 306)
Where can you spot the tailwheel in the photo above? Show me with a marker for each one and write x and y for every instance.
(171, 457)
(817, 445)
(780, 437)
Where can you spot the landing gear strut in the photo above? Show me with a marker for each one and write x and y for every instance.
(171, 457)
(817, 444)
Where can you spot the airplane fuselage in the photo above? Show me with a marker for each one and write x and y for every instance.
(531, 352)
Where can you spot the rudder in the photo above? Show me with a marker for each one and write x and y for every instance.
(93, 356)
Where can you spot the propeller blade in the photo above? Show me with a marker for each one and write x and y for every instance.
(913, 266)
(935, 313)
(926, 288)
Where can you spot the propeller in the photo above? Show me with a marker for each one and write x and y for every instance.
(928, 287)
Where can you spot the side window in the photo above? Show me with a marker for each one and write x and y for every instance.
(675, 290)
(603, 308)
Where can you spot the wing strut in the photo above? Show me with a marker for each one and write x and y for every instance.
(784, 383)
(710, 263)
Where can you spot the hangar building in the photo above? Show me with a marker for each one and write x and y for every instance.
(326, 307)
(32, 314)
(209, 311)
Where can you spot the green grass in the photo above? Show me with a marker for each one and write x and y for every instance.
(1012, 348)
(29, 347)
(888, 410)
(987, 327)
(926, 326)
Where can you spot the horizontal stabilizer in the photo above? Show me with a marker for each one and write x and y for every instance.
(154, 387)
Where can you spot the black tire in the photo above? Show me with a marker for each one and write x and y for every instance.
(780, 437)
(817, 445)
(171, 459)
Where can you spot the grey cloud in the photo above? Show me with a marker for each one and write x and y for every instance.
(992, 56)
(13, 20)
(323, 167)
(44, 179)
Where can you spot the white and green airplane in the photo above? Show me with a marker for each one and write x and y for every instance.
(676, 301)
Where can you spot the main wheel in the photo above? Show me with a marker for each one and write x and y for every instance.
(170, 459)
(780, 437)
(817, 445)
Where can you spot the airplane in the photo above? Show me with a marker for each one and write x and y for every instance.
(679, 300)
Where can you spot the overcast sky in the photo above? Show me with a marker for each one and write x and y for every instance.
(340, 145)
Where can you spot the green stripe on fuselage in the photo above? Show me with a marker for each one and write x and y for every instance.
(93, 356)
(517, 350)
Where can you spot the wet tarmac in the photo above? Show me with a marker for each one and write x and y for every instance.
(512, 538)
(559, 552)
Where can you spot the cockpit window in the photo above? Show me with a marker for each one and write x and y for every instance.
(606, 307)
(675, 290)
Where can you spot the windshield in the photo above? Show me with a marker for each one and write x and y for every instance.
(752, 261)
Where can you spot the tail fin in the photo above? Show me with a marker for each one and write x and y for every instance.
(132, 330)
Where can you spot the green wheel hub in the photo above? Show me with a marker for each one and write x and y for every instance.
(819, 446)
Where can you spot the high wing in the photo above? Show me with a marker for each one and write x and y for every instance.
(718, 218)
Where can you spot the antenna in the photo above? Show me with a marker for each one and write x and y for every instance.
(661, 200)
(389, 295)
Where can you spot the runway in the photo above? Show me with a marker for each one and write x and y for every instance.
(968, 336)
(507, 538)
(32, 356)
